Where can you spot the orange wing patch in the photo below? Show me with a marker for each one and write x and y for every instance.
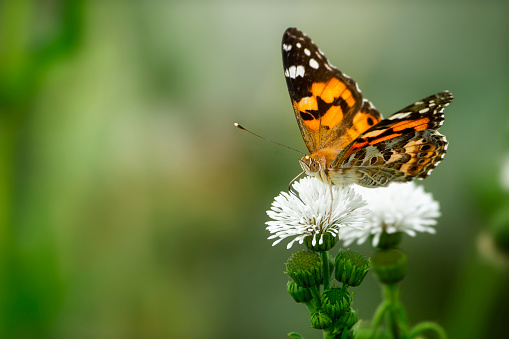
(332, 117)
(365, 120)
(328, 92)
(417, 125)
(307, 104)
(387, 137)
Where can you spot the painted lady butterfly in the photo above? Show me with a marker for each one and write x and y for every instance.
(347, 139)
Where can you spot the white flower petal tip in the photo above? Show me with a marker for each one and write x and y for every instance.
(395, 208)
(308, 211)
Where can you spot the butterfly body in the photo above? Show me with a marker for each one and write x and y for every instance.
(348, 141)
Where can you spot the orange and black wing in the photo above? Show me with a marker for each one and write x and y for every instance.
(400, 148)
(328, 105)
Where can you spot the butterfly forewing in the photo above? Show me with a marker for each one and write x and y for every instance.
(328, 104)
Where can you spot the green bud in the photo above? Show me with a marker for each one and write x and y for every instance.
(336, 301)
(305, 268)
(299, 294)
(351, 267)
(348, 319)
(329, 241)
(390, 265)
(389, 240)
(320, 320)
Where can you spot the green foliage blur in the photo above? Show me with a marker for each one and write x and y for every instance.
(132, 208)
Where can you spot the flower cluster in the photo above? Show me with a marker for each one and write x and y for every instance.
(355, 214)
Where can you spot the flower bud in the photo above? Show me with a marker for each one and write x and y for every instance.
(299, 294)
(351, 267)
(389, 240)
(320, 320)
(336, 301)
(390, 265)
(348, 319)
(305, 268)
(312, 242)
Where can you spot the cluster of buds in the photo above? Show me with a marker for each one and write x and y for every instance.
(330, 307)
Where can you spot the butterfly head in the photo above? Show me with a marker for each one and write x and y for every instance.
(312, 166)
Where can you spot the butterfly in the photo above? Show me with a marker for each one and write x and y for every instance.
(348, 141)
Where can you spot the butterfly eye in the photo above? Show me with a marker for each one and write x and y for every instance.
(314, 166)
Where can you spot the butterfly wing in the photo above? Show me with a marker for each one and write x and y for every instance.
(400, 148)
(328, 104)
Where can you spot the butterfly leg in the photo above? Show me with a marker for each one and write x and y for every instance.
(331, 197)
(291, 182)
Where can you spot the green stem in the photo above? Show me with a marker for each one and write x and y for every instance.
(316, 296)
(326, 271)
(332, 335)
(428, 326)
(379, 314)
(396, 317)
(311, 305)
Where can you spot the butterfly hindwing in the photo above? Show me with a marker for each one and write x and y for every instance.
(328, 104)
(400, 148)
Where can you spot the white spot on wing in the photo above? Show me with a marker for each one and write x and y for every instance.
(300, 71)
(399, 116)
(298, 45)
(424, 110)
(307, 52)
(291, 72)
(287, 48)
(313, 63)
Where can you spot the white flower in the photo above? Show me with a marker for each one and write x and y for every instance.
(309, 214)
(395, 208)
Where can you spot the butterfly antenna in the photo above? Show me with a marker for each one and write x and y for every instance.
(274, 142)
(291, 182)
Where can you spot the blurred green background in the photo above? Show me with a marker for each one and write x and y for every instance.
(132, 208)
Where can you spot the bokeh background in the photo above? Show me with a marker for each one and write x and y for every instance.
(132, 208)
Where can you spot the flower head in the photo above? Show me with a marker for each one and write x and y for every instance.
(309, 213)
(395, 208)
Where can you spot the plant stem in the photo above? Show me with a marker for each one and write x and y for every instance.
(316, 296)
(396, 317)
(326, 271)
(379, 314)
(428, 326)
